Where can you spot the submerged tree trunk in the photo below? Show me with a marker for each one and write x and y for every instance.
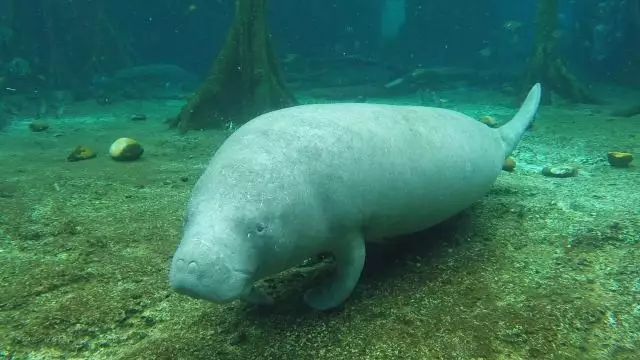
(82, 41)
(244, 81)
(65, 43)
(546, 66)
(630, 72)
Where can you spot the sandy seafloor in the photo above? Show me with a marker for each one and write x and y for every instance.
(541, 268)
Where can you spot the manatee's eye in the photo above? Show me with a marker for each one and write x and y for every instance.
(260, 228)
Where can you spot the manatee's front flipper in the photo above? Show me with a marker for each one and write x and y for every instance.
(258, 297)
(349, 260)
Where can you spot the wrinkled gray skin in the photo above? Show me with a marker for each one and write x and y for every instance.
(326, 178)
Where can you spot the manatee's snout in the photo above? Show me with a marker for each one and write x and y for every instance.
(208, 278)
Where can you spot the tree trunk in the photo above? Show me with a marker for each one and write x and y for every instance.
(546, 66)
(66, 43)
(630, 72)
(244, 81)
(82, 42)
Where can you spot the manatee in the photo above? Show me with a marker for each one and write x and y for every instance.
(327, 178)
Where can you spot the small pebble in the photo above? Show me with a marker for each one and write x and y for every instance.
(104, 100)
(509, 164)
(138, 117)
(38, 126)
(125, 149)
(619, 159)
(560, 171)
(81, 153)
(490, 121)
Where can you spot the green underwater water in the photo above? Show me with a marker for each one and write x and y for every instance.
(540, 268)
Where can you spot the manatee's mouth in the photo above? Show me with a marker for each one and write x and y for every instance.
(192, 280)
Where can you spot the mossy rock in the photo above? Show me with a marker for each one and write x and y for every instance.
(81, 153)
(509, 164)
(619, 159)
(38, 126)
(125, 149)
(490, 121)
(560, 171)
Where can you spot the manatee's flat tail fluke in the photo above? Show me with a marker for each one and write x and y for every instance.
(513, 130)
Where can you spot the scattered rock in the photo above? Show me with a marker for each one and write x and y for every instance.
(38, 126)
(104, 100)
(125, 149)
(7, 191)
(619, 159)
(138, 117)
(81, 153)
(509, 164)
(560, 171)
(490, 121)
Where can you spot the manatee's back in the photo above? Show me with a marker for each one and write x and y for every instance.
(390, 169)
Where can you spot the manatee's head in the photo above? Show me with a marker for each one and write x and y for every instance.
(217, 259)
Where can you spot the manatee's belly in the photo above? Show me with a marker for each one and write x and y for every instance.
(416, 209)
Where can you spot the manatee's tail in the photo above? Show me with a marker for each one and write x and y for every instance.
(513, 130)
